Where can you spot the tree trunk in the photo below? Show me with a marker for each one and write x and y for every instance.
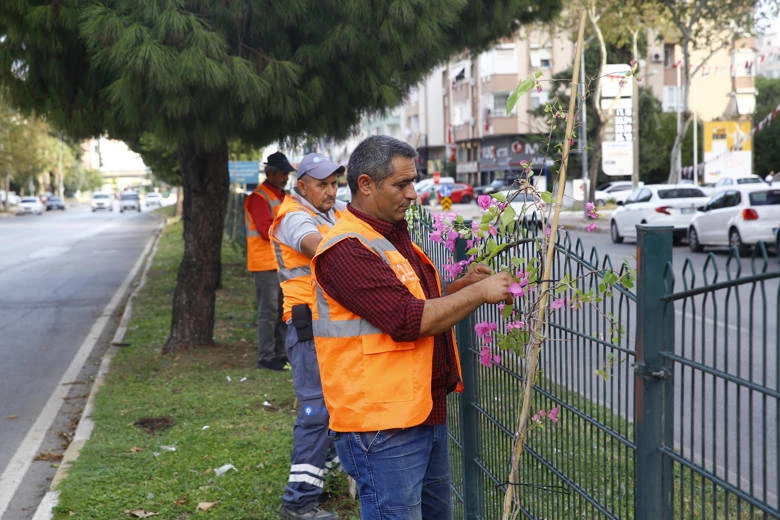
(205, 182)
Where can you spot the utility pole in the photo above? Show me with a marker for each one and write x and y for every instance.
(583, 135)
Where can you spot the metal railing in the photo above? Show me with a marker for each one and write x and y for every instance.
(641, 433)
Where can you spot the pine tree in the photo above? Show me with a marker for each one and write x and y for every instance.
(198, 73)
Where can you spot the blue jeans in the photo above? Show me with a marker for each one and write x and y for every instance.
(401, 474)
(311, 442)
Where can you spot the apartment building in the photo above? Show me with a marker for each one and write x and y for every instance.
(457, 116)
(457, 119)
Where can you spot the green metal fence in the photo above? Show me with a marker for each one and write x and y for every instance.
(647, 438)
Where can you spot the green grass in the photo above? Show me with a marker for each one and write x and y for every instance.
(219, 410)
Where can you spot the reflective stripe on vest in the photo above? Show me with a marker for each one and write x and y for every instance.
(259, 253)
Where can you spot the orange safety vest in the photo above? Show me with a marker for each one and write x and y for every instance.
(259, 253)
(295, 267)
(370, 381)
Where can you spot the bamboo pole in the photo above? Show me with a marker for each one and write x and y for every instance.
(532, 359)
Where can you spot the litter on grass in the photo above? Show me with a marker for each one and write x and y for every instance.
(224, 469)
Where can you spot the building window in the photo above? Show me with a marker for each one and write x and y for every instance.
(538, 99)
(499, 104)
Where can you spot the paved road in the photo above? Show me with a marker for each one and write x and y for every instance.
(63, 276)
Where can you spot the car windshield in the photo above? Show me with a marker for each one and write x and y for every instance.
(765, 198)
(99, 196)
(749, 180)
(29, 199)
(129, 196)
(680, 193)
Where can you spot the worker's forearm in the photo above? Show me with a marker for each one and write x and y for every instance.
(440, 314)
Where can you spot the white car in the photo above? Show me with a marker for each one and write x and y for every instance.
(129, 201)
(737, 217)
(732, 181)
(102, 201)
(657, 204)
(617, 191)
(153, 199)
(428, 185)
(31, 205)
(527, 205)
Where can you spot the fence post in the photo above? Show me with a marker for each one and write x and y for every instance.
(469, 421)
(653, 386)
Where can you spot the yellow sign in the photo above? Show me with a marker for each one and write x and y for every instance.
(446, 203)
(728, 150)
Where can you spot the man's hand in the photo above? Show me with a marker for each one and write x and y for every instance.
(476, 273)
(495, 289)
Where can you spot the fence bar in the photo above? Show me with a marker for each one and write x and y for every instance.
(653, 388)
(473, 500)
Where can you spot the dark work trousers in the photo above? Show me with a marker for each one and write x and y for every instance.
(270, 327)
(310, 434)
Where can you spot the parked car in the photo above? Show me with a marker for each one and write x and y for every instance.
(130, 201)
(11, 198)
(737, 217)
(54, 202)
(495, 186)
(459, 193)
(153, 199)
(425, 188)
(739, 180)
(527, 205)
(657, 204)
(343, 193)
(615, 191)
(30, 205)
(102, 201)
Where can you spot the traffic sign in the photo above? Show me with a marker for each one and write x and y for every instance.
(445, 190)
(244, 172)
(446, 203)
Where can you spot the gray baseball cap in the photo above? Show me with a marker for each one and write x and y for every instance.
(318, 166)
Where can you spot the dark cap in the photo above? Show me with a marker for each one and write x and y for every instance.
(318, 166)
(278, 161)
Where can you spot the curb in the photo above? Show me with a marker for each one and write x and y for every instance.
(86, 424)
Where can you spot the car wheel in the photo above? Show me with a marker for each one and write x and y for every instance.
(693, 241)
(465, 200)
(614, 233)
(735, 241)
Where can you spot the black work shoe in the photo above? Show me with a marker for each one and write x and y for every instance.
(308, 513)
(275, 364)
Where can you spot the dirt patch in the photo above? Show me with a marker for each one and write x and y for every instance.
(154, 424)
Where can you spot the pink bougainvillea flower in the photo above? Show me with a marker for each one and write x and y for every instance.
(516, 290)
(484, 328)
(485, 201)
(474, 226)
(501, 306)
(553, 414)
(435, 236)
(592, 227)
(548, 231)
(484, 357)
(496, 359)
(514, 325)
(590, 206)
(535, 418)
(492, 230)
(557, 303)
